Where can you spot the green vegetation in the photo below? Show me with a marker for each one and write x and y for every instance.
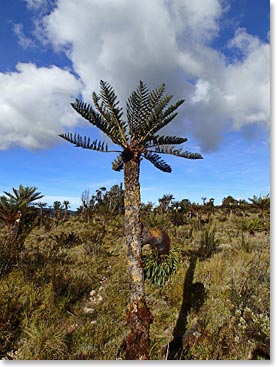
(64, 285)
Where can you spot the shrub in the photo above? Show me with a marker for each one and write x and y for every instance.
(92, 240)
(155, 220)
(159, 268)
(208, 244)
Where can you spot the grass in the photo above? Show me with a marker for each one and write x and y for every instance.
(218, 282)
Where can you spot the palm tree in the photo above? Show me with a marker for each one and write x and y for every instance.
(137, 138)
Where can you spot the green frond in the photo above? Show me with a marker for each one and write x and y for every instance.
(6, 205)
(156, 95)
(164, 122)
(190, 155)
(173, 108)
(160, 119)
(166, 149)
(154, 119)
(110, 111)
(8, 210)
(86, 143)
(147, 113)
(24, 195)
(86, 111)
(143, 107)
(117, 164)
(164, 140)
(156, 160)
(137, 107)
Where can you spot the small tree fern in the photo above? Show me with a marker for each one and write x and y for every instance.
(147, 112)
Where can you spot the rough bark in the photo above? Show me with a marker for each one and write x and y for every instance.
(139, 317)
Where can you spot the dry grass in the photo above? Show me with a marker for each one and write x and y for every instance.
(43, 295)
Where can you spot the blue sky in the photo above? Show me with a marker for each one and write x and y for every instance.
(215, 54)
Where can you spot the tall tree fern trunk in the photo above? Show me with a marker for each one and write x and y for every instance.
(139, 317)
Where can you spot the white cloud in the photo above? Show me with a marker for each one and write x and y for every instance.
(247, 84)
(233, 94)
(37, 4)
(23, 40)
(197, 19)
(201, 92)
(34, 105)
(157, 41)
(122, 41)
(244, 41)
(169, 41)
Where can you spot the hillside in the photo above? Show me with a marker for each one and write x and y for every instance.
(64, 287)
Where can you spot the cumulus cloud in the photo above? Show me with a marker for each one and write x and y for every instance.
(34, 105)
(169, 41)
(120, 41)
(247, 83)
(197, 20)
(234, 94)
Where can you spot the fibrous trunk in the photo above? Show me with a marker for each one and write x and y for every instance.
(139, 318)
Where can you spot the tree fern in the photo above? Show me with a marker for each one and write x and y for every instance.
(147, 113)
